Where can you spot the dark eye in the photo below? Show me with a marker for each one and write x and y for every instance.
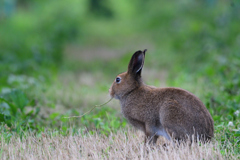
(118, 80)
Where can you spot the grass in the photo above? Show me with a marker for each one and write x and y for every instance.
(125, 144)
(102, 134)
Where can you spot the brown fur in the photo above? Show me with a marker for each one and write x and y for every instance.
(172, 112)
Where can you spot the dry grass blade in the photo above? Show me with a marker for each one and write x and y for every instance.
(90, 109)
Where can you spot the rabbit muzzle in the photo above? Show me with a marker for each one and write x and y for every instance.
(110, 91)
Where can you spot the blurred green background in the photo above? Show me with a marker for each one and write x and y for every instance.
(59, 57)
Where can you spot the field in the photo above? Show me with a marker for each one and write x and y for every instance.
(125, 144)
(59, 58)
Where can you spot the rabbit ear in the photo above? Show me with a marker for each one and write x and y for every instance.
(136, 63)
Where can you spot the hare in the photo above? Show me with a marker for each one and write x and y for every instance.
(173, 113)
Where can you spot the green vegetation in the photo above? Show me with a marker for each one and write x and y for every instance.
(58, 59)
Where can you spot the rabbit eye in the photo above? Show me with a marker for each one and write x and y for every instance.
(118, 80)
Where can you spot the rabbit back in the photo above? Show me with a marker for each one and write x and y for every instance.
(182, 115)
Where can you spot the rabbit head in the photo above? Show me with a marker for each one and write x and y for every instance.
(128, 81)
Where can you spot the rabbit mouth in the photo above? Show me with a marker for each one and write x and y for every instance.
(112, 94)
(115, 96)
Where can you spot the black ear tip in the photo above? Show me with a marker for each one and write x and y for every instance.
(140, 52)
